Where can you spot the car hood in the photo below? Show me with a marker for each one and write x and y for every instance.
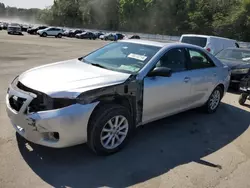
(70, 78)
(235, 64)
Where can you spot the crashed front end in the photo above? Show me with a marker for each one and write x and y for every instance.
(52, 122)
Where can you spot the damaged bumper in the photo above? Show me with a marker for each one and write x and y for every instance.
(53, 128)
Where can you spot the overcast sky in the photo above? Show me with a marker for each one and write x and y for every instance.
(28, 3)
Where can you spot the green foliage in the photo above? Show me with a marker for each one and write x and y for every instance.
(228, 18)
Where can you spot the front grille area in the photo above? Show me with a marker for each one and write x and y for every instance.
(16, 103)
(40, 103)
(237, 77)
(44, 102)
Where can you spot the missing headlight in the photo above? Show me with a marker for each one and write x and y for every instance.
(46, 103)
(62, 102)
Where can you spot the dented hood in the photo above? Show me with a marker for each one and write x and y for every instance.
(70, 78)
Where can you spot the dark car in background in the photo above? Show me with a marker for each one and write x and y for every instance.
(120, 36)
(33, 31)
(135, 37)
(238, 59)
(86, 35)
(98, 34)
(73, 33)
(25, 27)
(14, 28)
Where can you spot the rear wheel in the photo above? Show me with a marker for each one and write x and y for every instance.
(243, 98)
(110, 129)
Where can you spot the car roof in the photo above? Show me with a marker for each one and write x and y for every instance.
(161, 44)
(205, 36)
(145, 42)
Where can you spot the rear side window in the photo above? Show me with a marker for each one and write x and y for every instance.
(199, 60)
(198, 41)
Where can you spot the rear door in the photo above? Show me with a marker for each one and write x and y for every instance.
(203, 75)
(57, 31)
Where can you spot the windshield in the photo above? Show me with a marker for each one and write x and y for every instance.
(198, 41)
(122, 56)
(234, 54)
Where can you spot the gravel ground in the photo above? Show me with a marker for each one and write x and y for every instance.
(191, 149)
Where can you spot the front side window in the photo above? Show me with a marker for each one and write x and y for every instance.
(174, 59)
(199, 60)
(122, 56)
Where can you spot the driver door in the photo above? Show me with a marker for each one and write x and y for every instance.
(165, 96)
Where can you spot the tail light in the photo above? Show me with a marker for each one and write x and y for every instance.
(208, 49)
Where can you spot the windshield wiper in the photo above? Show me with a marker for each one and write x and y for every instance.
(98, 65)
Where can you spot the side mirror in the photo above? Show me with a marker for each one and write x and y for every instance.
(160, 71)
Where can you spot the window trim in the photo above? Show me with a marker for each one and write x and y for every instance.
(202, 53)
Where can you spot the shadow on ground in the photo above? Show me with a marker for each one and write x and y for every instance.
(155, 149)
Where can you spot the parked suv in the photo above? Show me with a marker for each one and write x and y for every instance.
(14, 29)
(51, 31)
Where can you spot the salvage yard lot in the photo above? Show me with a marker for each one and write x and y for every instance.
(187, 150)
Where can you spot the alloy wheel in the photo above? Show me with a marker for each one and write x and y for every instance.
(215, 100)
(114, 132)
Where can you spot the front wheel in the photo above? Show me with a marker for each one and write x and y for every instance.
(110, 129)
(214, 100)
(44, 35)
(243, 98)
(59, 35)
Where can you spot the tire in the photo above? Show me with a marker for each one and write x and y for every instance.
(99, 120)
(9, 33)
(243, 98)
(59, 35)
(216, 96)
(44, 35)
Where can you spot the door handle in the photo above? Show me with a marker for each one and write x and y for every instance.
(215, 74)
(186, 79)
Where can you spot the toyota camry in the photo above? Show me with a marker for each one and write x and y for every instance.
(100, 98)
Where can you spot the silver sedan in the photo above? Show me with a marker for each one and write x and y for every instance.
(102, 97)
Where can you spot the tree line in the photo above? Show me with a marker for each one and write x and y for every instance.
(227, 18)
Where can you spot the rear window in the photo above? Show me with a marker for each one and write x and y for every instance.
(198, 41)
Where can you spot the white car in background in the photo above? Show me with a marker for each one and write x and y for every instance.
(212, 44)
(51, 31)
